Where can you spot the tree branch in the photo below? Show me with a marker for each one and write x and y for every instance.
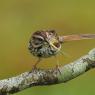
(38, 77)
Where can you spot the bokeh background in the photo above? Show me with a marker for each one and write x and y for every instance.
(20, 18)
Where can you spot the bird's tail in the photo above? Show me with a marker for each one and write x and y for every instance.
(76, 37)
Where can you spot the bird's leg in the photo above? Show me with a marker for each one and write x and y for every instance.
(57, 65)
(64, 53)
(35, 65)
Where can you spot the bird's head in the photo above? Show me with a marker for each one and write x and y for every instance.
(46, 37)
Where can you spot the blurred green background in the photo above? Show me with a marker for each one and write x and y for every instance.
(20, 18)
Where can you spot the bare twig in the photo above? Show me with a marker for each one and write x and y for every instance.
(38, 77)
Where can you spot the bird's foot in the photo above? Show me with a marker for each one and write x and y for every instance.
(58, 69)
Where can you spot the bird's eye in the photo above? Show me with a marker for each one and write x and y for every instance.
(39, 39)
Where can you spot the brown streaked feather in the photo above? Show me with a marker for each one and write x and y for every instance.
(78, 37)
(36, 46)
(37, 36)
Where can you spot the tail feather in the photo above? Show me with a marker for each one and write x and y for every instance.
(78, 37)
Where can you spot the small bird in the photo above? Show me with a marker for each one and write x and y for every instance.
(47, 43)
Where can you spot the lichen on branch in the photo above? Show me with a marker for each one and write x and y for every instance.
(40, 77)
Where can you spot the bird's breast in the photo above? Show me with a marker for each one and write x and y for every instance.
(44, 50)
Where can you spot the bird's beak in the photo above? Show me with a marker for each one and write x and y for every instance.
(51, 44)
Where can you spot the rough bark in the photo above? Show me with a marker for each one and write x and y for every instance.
(40, 77)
